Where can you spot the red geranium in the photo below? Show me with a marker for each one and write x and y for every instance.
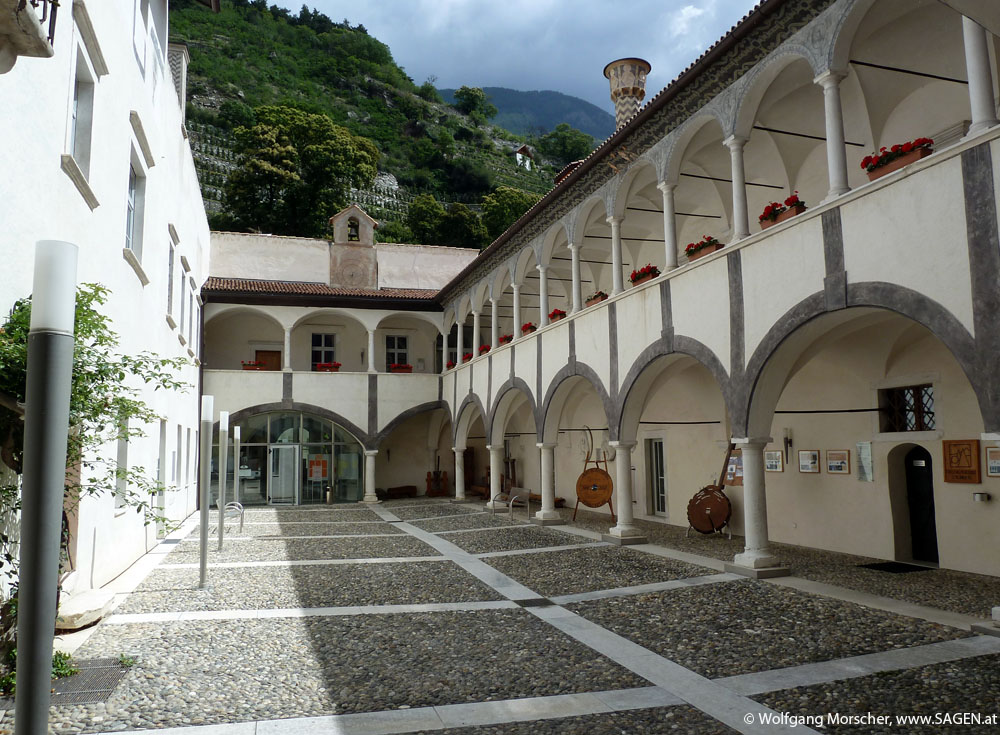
(451, 364)
(506, 338)
(556, 312)
(647, 270)
(466, 357)
(887, 155)
(527, 327)
(704, 242)
(483, 349)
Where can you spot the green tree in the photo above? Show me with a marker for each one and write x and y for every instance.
(105, 406)
(393, 231)
(502, 208)
(424, 219)
(566, 144)
(461, 228)
(295, 171)
(473, 100)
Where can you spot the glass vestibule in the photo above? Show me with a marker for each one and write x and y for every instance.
(291, 458)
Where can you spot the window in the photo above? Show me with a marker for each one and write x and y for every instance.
(910, 408)
(187, 457)
(180, 329)
(322, 349)
(178, 459)
(134, 207)
(190, 316)
(170, 279)
(82, 114)
(353, 230)
(121, 466)
(395, 350)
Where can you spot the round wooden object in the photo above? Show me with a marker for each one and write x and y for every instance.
(709, 510)
(594, 487)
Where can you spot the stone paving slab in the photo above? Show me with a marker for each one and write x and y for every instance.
(734, 628)
(254, 588)
(506, 539)
(469, 520)
(967, 686)
(587, 569)
(432, 511)
(680, 719)
(193, 673)
(321, 513)
(277, 530)
(301, 549)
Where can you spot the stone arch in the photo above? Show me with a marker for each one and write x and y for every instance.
(551, 237)
(409, 413)
(559, 390)
(625, 182)
(464, 417)
(235, 309)
(363, 438)
(754, 85)
(507, 395)
(683, 136)
(583, 215)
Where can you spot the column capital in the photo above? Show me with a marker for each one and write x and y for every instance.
(735, 142)
(494, 447)
(755, 442)
(573, 245)
(494, 299)
(515, 287)
(475, 312)
(546, 445)
(666, 186)
(371, 452)
(541, 268)
(622, 444)
(614, 220)
(829, 78)
(456, 450)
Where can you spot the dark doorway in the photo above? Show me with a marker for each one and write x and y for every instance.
(920, 498)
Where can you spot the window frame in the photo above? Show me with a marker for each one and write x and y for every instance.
(395, 350)
(324, 350)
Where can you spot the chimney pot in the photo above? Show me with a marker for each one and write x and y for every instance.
(628, 86)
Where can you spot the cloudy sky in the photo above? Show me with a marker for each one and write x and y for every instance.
(539, 44)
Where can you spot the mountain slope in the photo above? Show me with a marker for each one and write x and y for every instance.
(536, 113)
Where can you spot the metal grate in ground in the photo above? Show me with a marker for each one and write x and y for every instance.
(97, 679)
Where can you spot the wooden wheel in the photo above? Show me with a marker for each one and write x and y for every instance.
(594, 487)
(709, 510)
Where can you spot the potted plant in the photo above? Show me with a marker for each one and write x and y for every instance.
(252, 364)
(895, 157)
(504, 339)
(400, 367)
(483, 349)
(450, 364)
(707, 244)
(647, 273)
(327, 367)
(596, 298)
(466, 357)
(556, 314)
(528, 328)
(776, 212)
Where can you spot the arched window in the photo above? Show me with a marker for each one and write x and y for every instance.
(353, 230)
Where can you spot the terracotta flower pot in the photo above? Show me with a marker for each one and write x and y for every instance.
(787, 214)
(905, 160)
(704, 251)
(599, 299)
(642, 279)
(253, 367)
(529, 330)
(556, 318)
(408, 369)
(326, 369)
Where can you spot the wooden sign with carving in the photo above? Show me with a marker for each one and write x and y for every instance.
(961, 461)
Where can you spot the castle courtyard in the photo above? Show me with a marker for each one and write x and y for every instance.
(423, 615)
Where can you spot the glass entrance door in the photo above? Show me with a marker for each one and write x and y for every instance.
(284, 474)
(657, 476)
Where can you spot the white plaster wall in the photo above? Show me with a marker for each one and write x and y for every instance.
(501, 368)
(270, 257)
(592, 341)
(768, 291)
(699, 297)
(407, 455)
(232, 338)
(555, 352)
(913, 233)
(481, 378)
(35, 97)
(639, 324)
(419, 266)
(526, 361)
(398, 393)
(235, 390)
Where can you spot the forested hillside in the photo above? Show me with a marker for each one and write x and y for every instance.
(250, 55)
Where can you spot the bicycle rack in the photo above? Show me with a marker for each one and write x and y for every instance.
(234, 510)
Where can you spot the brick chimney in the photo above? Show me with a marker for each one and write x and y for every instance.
(628, 87)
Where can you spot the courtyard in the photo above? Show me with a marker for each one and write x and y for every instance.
(423, 615)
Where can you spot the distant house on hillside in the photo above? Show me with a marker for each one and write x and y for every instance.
(525, 157)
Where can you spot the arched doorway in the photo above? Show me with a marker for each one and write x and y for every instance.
(919, 478)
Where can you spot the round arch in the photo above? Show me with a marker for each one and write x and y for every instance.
(509, 398)
(467, 413)
(561, 388)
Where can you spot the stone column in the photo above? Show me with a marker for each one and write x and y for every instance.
(574, 251)
(757, 553)
(459, 347)
(548, 514)
(494, 324)
(625, 532)
(286, 362)
(977, 64)
(741, 221)
(669, 225)
(517, 311)
(459, 472)
(543, 295)
(836, 151)
(496, 471)
(444, 351)
(617, 280)
(370, 496)
(476, 341)
(371, 350)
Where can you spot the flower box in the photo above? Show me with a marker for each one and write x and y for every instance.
(528, 328)
(892, 159)
(483, 349)
(466, 357)
(252, 365)
(596, 298)
(788, 213)
(327, 367)
(556, 314)
(506, 338)
(707, 244)
(704, 251)
(400, 368)
(450, 365)
(647, 273)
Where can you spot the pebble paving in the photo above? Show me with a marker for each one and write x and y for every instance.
(968, 686)
(507, 539)
(432, 511)
(303, 549)
(739, 627)
(588, 569)
(249, 588)
(279, 530)
(319, 514)
(482, 520)
(196, 673)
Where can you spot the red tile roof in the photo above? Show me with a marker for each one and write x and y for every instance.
(244, 286)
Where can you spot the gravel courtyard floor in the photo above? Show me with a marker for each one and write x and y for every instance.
(467, 623)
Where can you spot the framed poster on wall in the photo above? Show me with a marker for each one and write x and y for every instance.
(838, 461)
(809, 460)
(865, 462)
(774, 461)
(734, 470)
(993, 462)
(961, 461)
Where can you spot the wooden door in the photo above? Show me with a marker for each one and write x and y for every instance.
(270, 358)
(920, 497)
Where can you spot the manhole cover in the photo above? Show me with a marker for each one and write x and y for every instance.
(895, 567)
(97, 679)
